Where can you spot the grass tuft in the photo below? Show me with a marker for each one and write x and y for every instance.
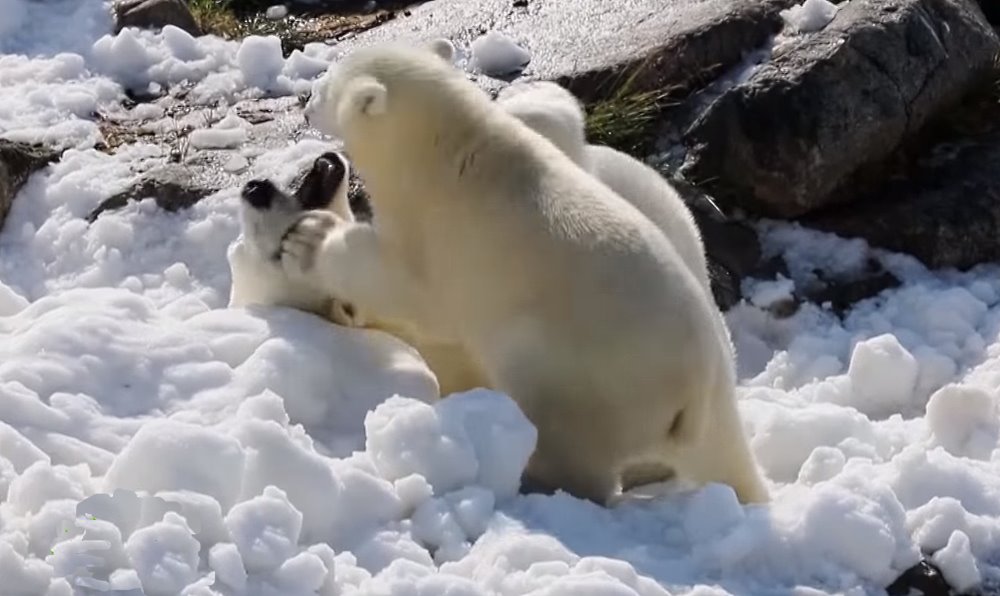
(625, 119)
(217, 17)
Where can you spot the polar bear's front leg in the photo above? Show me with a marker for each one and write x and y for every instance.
(347, 260)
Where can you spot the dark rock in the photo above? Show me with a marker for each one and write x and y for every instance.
(589, 44)
(991, 9)
(19, 161)
(842, 294)
(945, 212)
(155, 14)
(923, 579)
(828, 103)
(172, 187)
(731, 247)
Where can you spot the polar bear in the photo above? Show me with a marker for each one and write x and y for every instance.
(558, 115)
(257, 277)
(567, 297)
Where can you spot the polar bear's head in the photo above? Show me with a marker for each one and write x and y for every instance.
(267, 212)
(387, 97)
(323, 111)
(550, 110)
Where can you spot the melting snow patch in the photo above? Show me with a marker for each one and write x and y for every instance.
(810, 16)
(495, 54)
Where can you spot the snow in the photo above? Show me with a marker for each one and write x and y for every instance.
(495, 54)
(810, 16)
(154, 441)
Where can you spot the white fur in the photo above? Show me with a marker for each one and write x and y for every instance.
(566, 296)
(557, 114)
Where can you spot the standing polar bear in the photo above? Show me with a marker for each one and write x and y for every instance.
(565, 295)
(558, 115)
(555, 113)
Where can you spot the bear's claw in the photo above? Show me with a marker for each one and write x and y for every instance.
(303, 239)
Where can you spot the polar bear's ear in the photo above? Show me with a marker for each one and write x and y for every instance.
(363, 96)
(443, 48)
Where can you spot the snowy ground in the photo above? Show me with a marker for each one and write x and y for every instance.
(153, 441)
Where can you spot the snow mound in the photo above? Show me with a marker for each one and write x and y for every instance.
(495, 54)
(810, 16)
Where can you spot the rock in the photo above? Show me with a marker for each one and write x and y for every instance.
(172, 186)
(945, 211)
(923, 579)
(587, 44)
(155, 14)
(828, 103)
(731, 247)
(17, 162)
(991, 9)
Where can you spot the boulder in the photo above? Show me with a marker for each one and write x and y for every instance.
(155, 14)
(991, 8)
(829, 103)
(945, 210)
(588, 44)
(17, 162)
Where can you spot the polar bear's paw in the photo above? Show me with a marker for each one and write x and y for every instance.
(303, 240)
(268, 212)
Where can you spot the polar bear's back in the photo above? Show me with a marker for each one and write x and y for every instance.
(655, 198)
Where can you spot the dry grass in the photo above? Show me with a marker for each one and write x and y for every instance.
(236, 19)
(626, 119)
(217, 17)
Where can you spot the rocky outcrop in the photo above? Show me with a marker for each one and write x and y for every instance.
(991, 8)
(590, 44)
(155, 14)
(945, 211)
(17, 162)
(829, 103)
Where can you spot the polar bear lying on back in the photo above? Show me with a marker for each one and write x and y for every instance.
(257, 276)
(567, 297)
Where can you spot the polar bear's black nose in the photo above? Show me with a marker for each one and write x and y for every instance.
(259, 193)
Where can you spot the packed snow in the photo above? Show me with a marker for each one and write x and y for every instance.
(495, 54)
(153, 441)
(810, 16)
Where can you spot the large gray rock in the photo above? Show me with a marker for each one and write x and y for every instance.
(586, 43)
(828, 103)
(155, 14)
(945, 211)
(17, 162)
(991, 8)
